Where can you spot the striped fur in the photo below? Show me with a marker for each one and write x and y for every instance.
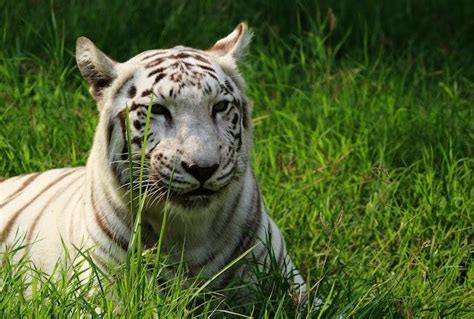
(197, 153)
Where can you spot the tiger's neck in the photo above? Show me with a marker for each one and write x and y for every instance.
(106, 198)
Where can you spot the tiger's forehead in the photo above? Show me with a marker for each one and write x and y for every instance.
(177, 62)
(169, 72)
(178, 52)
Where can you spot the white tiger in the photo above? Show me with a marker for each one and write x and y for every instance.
(197, 152)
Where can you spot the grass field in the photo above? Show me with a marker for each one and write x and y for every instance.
(364, 136)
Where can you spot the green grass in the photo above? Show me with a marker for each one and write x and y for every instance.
(363, 146)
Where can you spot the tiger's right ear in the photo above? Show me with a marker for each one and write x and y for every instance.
(230, 49)
(96, 67)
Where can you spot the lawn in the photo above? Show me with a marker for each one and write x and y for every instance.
(363, 146)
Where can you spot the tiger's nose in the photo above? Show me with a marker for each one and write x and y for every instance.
(202, 174)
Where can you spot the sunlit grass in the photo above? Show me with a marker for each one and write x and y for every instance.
(363, 152)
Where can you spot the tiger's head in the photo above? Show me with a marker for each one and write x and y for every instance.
(199, 132)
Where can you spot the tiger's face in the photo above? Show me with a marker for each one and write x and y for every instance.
(198, 135)
(198, 116)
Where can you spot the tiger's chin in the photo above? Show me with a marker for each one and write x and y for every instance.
(197, 198)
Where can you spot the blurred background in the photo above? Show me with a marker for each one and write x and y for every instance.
(441, 29)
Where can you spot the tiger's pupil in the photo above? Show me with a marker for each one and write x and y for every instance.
(219, 107)
(159, 109)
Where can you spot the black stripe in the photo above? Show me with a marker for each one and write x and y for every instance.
(101, 248)
(247, 238)
(101, 262)
(124, 83)
(159, 77)
(213, 76)
(158, 70)
(226, 174)
(152, 55)
(206, 68)
(227, 163)
(146, 93)
(217, 232)
(17, 192)
(201, 58)
(73, 214)
(120, 210)
(137, 106)
(156, 62)
(245, 114)
(48, 202)
(282, 250)
(9, 224)
(102, 222)
(110, 129)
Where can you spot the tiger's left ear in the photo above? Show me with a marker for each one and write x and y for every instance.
(96, 67)
(234, 45)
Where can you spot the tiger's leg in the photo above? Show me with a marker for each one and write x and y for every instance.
(275, 240)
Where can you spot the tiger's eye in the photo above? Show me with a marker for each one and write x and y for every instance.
(159, 109)
(222, 106)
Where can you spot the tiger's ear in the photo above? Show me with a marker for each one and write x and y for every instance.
(234, 45)
(96, 67)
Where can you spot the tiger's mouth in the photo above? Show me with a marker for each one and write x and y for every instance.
(198, 197)
(201, 191)
(192, 197)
